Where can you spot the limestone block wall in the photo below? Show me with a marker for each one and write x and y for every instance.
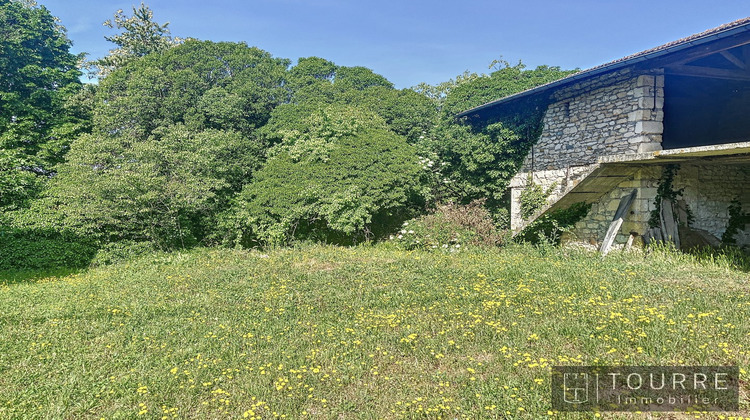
(613, 114)
(594, 226)
(709, 189)
(557, 181)
(618, 113)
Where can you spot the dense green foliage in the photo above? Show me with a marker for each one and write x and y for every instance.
(315, 83)
(550, 228)
(477, 159)
(43, 248)
(343, 177)
(199, 142)
(140, 36)
(504, 81)
(173, 139)
(38, 75)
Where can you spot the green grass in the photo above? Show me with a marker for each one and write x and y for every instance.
(364, 332)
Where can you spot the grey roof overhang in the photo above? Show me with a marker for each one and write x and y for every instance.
(734, 28)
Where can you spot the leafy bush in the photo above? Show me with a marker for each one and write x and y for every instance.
(115, 252)
(478, 156)
(449, 228)
(549, 228)
(335, 180)
(165, 190)
(41, 249)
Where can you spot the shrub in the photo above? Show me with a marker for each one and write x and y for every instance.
(42, 249)
(449, 228)
(534, 197)
(548, 229)
(166, 190)
(329, 182)
(115, 252)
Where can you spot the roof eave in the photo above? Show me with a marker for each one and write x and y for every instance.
(596, 71)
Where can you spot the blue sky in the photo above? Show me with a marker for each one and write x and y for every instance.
(412, 41)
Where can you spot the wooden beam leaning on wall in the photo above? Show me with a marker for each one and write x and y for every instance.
(614, 227)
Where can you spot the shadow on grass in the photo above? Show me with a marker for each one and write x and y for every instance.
(728, 256)
(17, 276)
(38, 250)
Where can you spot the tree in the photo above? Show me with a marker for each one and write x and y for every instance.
(476, 161)
(203, 84)
(141, 36)
(315, 83)
(343, 177)
(163, 190)
(505, 80)
(173, 140)
(38, 75)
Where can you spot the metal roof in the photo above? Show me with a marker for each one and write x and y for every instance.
(723, 31)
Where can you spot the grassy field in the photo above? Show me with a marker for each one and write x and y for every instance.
(364, 332)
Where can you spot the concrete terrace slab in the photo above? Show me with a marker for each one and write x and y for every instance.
(739, 150)
(610, 171)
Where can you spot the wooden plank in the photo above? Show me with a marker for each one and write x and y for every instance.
(625, 203)
(629, 244)
(733, 59)
(669, 226)
(682, 215)
(707, 72)
(609, 238)
(617, 220)
(704, 50)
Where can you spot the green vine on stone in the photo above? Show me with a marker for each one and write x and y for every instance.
(737, 221)
(550, 227)
(666, 190)
(534, 197)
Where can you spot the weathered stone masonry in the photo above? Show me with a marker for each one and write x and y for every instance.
(708, 190)
(614, 114)
(613, 128)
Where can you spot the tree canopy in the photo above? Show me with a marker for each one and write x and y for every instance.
(342, 177)
(38, 75)
(140, 36)
(173, 138)
(201, 142)
(477, 161)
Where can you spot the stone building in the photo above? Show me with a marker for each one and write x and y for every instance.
(614, 128)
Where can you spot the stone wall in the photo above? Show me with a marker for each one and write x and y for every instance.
(620, 113)
(708, 191)
(556, 181)
(614, 114)
(594, 226)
